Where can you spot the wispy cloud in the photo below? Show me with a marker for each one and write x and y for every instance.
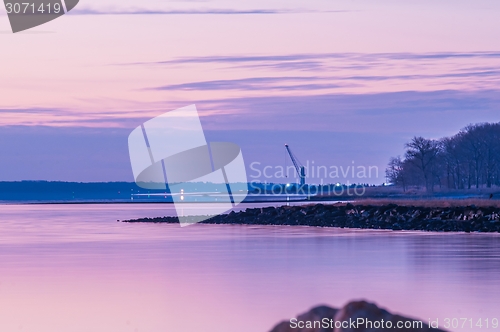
(207, 11)
(321, 56)
(69, 117)
(246, 59)
(311, 83)
(330, 62)
(402, 112)
(255, 83)
(26, 110)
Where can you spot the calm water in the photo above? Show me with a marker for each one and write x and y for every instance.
(68, 268)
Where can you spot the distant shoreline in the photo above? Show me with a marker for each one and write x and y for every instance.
(136, 202)
(43, 192)
(389, 217)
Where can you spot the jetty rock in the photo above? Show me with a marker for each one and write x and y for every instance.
(389, 217)
(355, 311)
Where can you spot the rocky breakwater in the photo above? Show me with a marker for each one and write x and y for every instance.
(359, 316)
(391, 217)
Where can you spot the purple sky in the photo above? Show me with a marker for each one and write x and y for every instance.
(341, 82)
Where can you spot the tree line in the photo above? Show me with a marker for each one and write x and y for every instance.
(469, 159)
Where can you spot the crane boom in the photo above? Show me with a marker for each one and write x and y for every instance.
(301, 171)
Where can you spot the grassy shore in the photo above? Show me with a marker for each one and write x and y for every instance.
(429, 202)
(397, 193)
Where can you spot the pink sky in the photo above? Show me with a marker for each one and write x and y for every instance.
(97, 67)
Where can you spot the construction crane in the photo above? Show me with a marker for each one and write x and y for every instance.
(301, 170)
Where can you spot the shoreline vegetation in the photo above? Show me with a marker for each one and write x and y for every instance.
(469, 159)
(432, 216)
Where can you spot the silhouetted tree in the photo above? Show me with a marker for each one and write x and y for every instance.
(395, 172)
(423, 153)
(469, 158)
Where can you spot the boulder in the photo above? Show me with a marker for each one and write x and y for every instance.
(315, 314)
(371, 318)
(370, 312)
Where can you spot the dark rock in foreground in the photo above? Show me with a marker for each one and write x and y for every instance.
(392, 216)
(315, 314)
(354, 316)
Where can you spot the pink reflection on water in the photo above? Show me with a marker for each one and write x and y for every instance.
(74, 268)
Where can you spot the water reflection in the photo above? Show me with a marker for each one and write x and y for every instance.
(75, 268)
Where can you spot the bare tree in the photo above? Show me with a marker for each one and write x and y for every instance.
(473, 145)
(490, 137)
(395, 172)
(422, 153)
(471, 157)
(454, 162)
